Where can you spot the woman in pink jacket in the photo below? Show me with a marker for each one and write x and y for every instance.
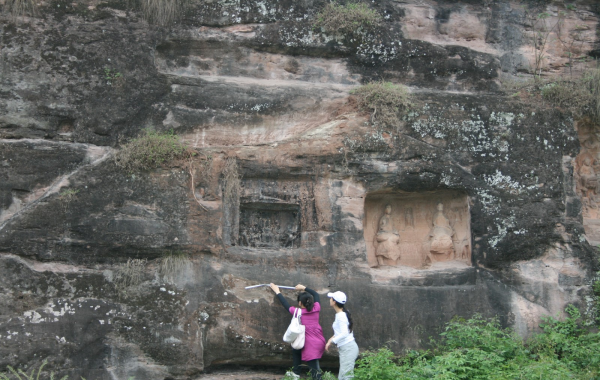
(314, 344)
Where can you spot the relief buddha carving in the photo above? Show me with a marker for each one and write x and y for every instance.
(417, 230)
(442, 245)
(387, 239)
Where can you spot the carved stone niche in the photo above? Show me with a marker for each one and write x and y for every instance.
(417, 230)
(269, 225)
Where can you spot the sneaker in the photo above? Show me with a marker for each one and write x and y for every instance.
(289, 375)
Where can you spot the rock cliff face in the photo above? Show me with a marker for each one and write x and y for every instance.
(484, 190)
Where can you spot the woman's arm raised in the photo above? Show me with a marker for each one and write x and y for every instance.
(312, 292)
(280, 297)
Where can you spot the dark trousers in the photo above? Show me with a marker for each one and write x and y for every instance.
(315, 370)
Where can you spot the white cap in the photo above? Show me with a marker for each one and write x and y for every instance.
(338, 297)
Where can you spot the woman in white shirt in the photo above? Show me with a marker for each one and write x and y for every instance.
(343, 336)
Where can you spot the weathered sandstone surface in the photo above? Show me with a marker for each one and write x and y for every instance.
(254, 82)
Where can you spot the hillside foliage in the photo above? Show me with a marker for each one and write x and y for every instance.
(479, 348)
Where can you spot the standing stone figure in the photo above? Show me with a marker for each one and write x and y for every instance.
(387, 239)
(442, 246)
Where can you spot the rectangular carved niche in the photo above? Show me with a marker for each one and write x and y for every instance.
(417, 230)
(269, 225)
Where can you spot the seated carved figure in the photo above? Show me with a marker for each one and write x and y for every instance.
(442, 245)
(387, 239)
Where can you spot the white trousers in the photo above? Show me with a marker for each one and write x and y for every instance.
(348, 354)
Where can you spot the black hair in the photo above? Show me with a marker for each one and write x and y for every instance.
(348, 315)
(307, 300)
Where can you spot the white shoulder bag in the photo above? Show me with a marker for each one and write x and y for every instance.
(295, 331)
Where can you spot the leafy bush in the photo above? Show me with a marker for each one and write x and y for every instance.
(347, 20)
(149, 151)
(384, 100)
(377, 365)
(568, 342)
(479, 348)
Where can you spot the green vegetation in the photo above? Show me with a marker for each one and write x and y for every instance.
(21, 8)
(68, 194)
(579, 95)
(480, 348)
(347, 20)
(171, 263)
(113, 77)
(22, 375)
(596, 298)
(325, 376)
(385, 100)
(149, 151)
(66, 197)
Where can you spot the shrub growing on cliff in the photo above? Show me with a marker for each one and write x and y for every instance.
(149, 151)
(579, 95)
(347, 19)
(385, 100)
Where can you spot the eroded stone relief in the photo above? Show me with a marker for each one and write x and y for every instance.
(441, 245)
(586, 169)
(417, 230)
(387, 240)
(269, 226)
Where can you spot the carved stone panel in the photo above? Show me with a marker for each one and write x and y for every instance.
(417, 230)
(269, 225)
